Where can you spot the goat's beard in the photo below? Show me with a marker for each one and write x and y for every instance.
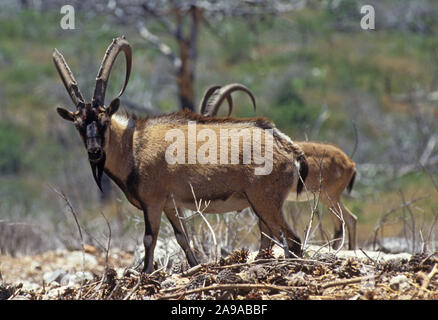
(97, 169)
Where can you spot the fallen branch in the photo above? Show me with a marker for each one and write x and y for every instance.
(133, 289)
(117, 286)
(237, 286)
(192, 270)
(428, 277)
(213, 265)
(371, 259)
(347, 281)
(276, 262)
(428, 257)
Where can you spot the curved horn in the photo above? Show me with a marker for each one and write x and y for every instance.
(118, 44)
(207, 94)
(225, 92)
(68, 79)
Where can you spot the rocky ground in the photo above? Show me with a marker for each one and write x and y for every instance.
(321, 275)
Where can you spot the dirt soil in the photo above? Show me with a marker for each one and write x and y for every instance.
(321, 275)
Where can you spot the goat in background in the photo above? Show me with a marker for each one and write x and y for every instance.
(330, 170)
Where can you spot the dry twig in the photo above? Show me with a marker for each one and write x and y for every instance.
(133, 289)
(200, 212)
(347, 281)
(235, 286)
(67, 201)
(428, 277)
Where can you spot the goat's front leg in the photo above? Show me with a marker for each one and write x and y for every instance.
(152, 219)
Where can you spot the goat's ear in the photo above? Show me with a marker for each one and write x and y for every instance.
(65, 114)
(113, 107)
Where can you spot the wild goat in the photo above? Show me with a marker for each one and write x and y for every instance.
(133, 153)
(331, 171)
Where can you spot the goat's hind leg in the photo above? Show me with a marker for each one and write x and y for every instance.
(265, 242)
(350, 222)
(180, 234)
(271, 218)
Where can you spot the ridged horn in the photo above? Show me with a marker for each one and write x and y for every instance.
(213, 104)
(68, 79)
(207, 94)
(118, 44)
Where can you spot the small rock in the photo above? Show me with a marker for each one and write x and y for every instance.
(76, 259)
(399, 282)
(59, 292)
(56, 275)
(179, 267)
(52, 294)
(201, 280)
(168, 283)
(80, 276)
(297, 280)
(227, 276)
(29, 286)
(65, 280)
(90, 249)
(257, 273)
(20, 298)
(35, 266)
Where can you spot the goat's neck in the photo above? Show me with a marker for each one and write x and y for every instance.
(118, 149)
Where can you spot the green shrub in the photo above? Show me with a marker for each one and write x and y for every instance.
(290, 112)
(13, 140)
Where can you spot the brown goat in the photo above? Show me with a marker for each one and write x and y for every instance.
(331, 171)
(135, 154)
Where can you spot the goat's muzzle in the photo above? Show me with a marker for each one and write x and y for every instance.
(94, 143)
(96, 155)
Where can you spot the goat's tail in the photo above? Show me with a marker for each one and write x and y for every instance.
(304, 170)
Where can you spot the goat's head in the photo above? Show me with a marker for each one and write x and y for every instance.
(92, 119)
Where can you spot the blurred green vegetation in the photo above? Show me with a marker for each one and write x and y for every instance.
(299, 66)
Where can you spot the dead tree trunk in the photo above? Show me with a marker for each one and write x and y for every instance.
(181, 21)
(188, 52)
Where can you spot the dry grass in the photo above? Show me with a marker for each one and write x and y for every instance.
(237, 276)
